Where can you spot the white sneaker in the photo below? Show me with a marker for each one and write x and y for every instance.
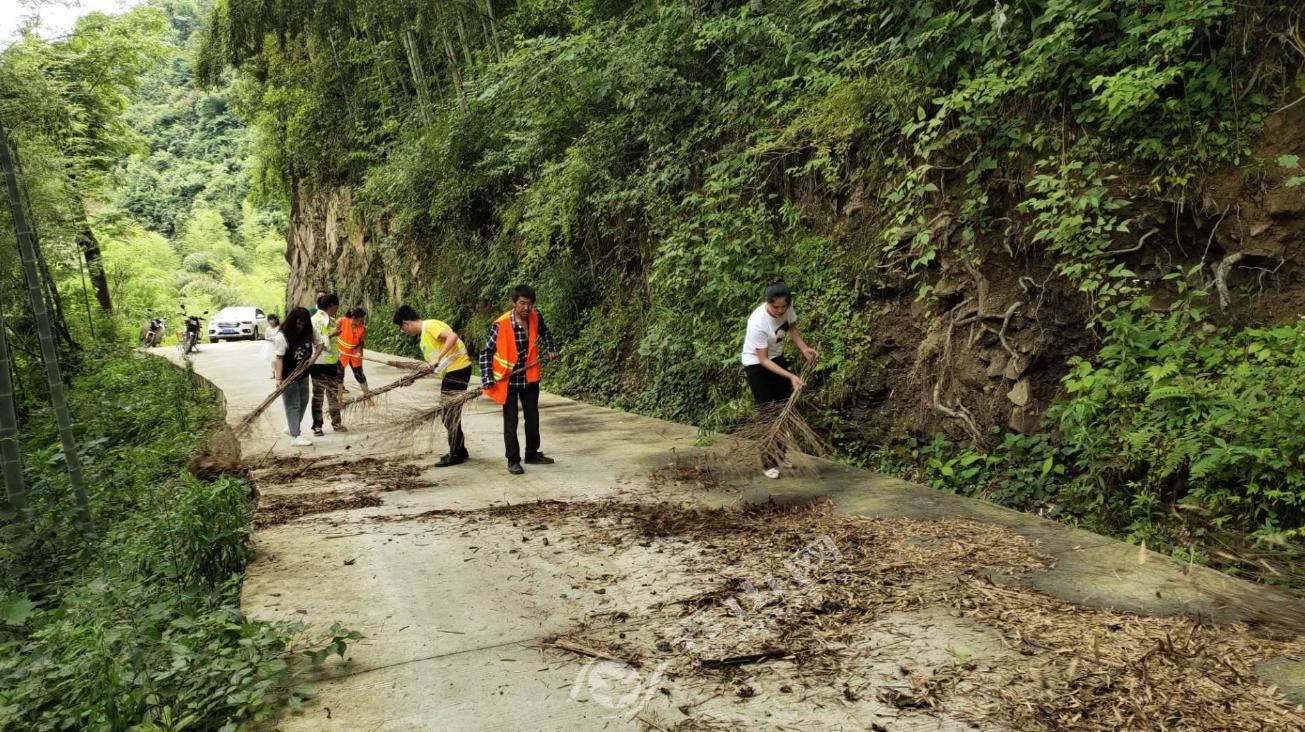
(771, 473)
(305, 442)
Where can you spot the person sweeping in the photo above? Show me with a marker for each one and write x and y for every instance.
(509, 373)
(769, 327)
(297, 342)
(446, 355)
(326, 372)
(353, 334)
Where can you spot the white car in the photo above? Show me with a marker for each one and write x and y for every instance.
(237, 323)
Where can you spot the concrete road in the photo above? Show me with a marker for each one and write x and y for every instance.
(457, 614)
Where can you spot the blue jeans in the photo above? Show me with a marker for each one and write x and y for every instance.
(295, 398)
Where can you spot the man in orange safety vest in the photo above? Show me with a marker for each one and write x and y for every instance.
(509, 372)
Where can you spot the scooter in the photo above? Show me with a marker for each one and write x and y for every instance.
(153, 333)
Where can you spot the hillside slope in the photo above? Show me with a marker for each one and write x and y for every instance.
(1063, 234)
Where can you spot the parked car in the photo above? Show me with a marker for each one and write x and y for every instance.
(237, 323)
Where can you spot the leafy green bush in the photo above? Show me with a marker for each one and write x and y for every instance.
(650, 165)
(1187, 412)
(1171, 412)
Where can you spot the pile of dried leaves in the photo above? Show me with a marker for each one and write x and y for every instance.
(360, 480)
(277, 509)
(800, 586)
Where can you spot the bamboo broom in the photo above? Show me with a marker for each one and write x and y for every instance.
(780, 431)
(449, 408)
(407, 379)
(399, 363)
(242, 427)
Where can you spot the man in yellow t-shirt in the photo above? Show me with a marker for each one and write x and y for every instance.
(446, 355)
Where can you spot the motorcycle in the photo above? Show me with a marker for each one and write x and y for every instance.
(153, 333)
(190, 338)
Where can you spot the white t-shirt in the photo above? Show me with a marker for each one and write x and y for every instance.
(766, 332)
(280, 345)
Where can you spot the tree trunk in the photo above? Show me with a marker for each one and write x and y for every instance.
(90, 247)
(56, 302)
(452, 59)
(49, 354)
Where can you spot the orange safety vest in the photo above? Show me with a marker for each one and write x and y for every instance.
(505, 355)
(351, 338)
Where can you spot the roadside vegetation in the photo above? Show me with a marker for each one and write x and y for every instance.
(137, 186)
(138, 626)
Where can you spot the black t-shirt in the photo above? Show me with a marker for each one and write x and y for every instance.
(295, 354)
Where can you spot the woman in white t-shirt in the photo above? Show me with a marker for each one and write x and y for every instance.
(297, 342)
(769, 328)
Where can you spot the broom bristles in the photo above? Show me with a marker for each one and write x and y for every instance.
(780, 434)
(406, 364)
(447, 412)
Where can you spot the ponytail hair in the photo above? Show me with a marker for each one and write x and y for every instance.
(777, 290)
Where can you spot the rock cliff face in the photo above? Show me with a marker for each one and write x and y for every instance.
(329, 247)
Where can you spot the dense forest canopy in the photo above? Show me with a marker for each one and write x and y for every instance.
(120, 579)
(138, 181)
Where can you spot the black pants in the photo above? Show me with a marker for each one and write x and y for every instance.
(529, 398)
(358, 374)
(455, 381)
(770, 391)
(328, 378)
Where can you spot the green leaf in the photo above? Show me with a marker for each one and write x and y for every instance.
(16, 610)
(1289, 161)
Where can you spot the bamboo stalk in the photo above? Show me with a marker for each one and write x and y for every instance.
(49, 354)
(405, 364)
(10, 457)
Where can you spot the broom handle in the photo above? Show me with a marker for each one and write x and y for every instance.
(411, 379)
(404, 363)
(402, 381)
(515, 372)
(285, 383)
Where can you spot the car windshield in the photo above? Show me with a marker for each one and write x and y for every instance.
(235, 314)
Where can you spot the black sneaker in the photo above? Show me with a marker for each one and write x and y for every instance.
(318, 432)
(539, 458)
(515, 468)
(447, 460)
(341, 428)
